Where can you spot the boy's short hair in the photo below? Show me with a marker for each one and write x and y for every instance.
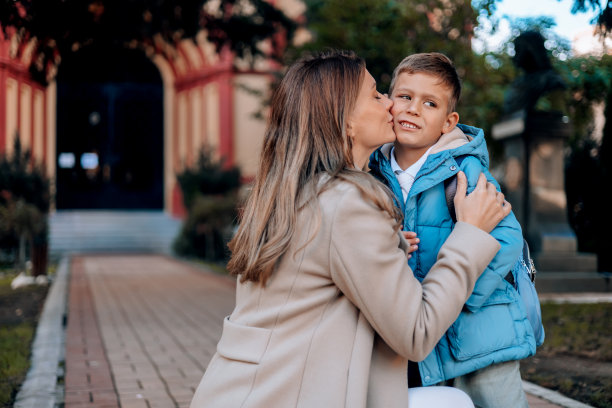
(433, 63)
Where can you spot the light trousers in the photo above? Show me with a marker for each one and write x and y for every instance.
(496, 386)
(438, 397)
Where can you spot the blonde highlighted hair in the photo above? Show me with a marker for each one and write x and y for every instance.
(432, 63)
(305, 138)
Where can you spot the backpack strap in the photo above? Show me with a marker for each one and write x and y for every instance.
(450, 189)
(524, 282)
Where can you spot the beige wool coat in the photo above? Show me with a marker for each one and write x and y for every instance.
(337, 321)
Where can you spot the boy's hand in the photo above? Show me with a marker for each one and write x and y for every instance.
(411, 238)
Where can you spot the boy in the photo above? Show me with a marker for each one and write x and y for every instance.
(479, 353)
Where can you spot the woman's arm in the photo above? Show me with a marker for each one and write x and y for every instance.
(368, 266)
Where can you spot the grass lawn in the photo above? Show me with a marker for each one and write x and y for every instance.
(19, 312)
(576, 357)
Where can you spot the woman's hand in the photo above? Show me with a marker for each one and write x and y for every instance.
(484, 207)
(411, 238)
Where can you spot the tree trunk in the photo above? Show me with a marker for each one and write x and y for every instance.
(22, 253)
(39, 259)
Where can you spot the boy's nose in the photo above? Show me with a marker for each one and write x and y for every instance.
(412, 108)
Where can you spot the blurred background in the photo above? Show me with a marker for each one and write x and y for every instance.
(136, 126)
(117, 116)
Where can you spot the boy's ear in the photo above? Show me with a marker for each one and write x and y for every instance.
(451, 121)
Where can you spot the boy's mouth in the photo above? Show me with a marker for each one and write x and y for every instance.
(408, 125)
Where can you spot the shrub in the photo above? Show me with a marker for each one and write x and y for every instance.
(210, 197)
(207, 177)
(24, 205)
(23, 179)
(208, 228)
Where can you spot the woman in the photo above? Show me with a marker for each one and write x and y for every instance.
(327, 310)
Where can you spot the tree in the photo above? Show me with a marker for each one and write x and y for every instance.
(61, 26)
(603, 17)
(384, 32)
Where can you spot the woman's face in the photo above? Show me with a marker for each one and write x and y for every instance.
(370, 125)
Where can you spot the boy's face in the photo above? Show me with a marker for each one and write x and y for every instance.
(420, 110)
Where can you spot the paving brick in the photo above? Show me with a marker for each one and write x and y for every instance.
(135, 404)
(88, 377)
(142, 330)
(77, 396)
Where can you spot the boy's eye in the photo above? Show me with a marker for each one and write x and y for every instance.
(430, 104)
(406, 97)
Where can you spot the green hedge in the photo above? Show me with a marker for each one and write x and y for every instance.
(210, 197)
(24, 206)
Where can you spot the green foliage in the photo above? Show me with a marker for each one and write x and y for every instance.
(210, 196)
(242, 25)
(603, 17)
(14, 359)
(208, 228)
(588, 81)
(207, 177)
(588, 168)
(19, 311)
(385, 32)
(24, 204)
(578, 341)
(21, 178)
(581, 330)
(62, 26)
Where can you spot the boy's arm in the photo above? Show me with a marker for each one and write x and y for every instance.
(508, 233)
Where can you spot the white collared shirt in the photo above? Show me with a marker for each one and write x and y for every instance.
(406, 177)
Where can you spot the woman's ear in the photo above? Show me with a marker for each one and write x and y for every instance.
(350, 129)
(451, 121)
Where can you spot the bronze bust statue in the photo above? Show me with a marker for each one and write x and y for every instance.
(538, 78)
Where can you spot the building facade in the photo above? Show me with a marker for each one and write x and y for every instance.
(114, 134)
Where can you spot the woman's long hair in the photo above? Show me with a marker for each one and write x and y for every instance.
(306, 136)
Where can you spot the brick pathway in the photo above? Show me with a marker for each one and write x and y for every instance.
(142, 329)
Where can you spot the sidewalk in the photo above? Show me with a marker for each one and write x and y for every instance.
(142, 329)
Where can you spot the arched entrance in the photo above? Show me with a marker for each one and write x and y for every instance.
(109, 131)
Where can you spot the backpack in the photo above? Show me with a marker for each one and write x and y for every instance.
(523, 273)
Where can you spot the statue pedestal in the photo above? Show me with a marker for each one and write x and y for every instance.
(535, 186)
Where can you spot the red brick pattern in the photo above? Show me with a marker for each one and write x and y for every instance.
(159, 320)
(142, 329)
(88, 381)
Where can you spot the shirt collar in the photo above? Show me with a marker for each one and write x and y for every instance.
(412, 170)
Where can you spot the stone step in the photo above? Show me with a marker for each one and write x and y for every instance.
(566, 262)
(554, 242)
(111, 231)
(559, 282)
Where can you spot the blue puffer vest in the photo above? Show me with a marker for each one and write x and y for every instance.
(493, 326)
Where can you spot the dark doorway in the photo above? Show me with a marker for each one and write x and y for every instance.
(109, 131)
